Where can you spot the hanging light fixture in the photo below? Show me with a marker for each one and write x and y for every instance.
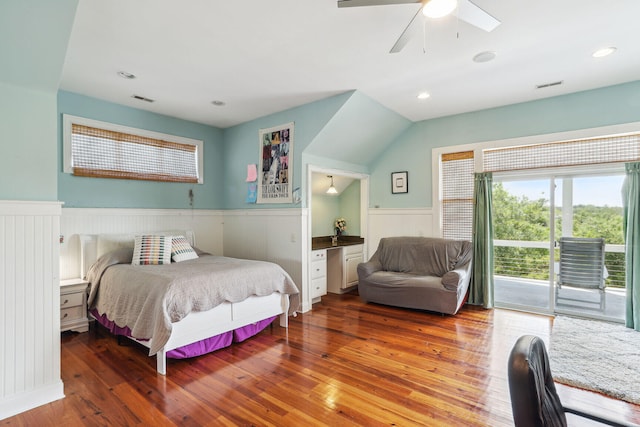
(439, 8)
(332, 189)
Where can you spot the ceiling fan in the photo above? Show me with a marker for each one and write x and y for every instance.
(467, 11)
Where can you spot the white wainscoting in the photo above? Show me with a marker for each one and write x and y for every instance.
(398, 222)
(206, 224)
(276, 235)
(29, 306)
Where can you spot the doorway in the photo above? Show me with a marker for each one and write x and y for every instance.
(357, 221)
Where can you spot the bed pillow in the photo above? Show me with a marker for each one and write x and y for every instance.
(181, 250)
(152, 250)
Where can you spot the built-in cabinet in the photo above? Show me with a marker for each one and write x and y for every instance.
(318, 273)
(342, 268)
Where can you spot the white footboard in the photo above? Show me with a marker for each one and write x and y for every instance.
(223, 318)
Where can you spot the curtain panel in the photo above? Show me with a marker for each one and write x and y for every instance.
(481, 287)
(631, 205)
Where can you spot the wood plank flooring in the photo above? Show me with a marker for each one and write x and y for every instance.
(344, 363)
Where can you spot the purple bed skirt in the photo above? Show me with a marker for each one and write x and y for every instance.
(207, 345)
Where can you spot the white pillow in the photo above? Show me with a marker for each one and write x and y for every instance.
(152, 250)
(181, 250)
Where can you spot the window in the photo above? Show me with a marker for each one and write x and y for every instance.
(580, 152)
(457, 195)
(104, 150)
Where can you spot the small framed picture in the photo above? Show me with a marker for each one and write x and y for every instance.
(399, 182)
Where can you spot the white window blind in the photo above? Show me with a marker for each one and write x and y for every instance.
(105, 153)
(457, 195)
(613, 149)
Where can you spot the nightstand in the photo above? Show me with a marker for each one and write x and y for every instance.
(73, 305)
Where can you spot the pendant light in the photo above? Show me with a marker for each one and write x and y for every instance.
(332, 189)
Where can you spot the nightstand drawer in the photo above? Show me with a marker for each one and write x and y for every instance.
(71, 300)
(71, 313)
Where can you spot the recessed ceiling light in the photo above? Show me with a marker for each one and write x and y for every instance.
(126, 75)
(605, 51)
(485, 56)
(424, 95)
(218, 103)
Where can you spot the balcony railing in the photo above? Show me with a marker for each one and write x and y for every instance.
(530, 260)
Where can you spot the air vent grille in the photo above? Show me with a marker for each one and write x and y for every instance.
(142, 98)
(544, 85)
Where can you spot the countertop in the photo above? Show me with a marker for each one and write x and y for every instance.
(324, 242)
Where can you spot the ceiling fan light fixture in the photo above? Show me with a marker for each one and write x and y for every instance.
(424, 95)
(439, 8)
(332, 189)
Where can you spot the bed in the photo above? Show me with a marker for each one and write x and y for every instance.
(182, 309)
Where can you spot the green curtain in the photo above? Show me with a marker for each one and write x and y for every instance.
(481, 287)
(631, 203)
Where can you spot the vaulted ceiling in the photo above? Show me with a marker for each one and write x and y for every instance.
(267, 56)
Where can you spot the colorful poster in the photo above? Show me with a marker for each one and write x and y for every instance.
(274, 172)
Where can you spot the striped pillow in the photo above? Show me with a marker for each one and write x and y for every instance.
(181, 250)
(152, 250)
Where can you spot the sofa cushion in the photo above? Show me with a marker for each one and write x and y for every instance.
(423, 256)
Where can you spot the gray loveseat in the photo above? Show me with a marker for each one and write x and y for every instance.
(417, 272)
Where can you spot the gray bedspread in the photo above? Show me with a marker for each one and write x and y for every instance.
(148, 298)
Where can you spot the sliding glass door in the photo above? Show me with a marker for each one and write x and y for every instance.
(531, 215)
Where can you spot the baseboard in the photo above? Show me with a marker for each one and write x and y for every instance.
(22, 402)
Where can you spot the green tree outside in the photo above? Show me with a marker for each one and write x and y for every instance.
(521, 218)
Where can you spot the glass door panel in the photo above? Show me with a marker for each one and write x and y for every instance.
(591, 207)
(522, 243)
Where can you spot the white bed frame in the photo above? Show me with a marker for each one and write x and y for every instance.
(197, 325)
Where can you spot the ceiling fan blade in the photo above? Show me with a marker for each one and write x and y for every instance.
(358, 3)
(407, 34)
(476, 16)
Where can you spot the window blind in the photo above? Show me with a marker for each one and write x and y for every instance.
(110, 154)
(612, 149)
(457, 195)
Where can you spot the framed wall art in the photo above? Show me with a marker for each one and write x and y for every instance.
(399, 182)
(274, 170)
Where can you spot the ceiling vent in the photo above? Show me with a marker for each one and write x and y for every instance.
(142, 98)
(542, 86)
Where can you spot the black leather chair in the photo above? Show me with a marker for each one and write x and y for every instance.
(534, 400)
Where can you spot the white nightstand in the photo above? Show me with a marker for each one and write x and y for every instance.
(73, 305)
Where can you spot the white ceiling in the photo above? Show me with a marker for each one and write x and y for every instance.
(265, 56)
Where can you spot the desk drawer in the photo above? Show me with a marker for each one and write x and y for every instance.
(318, 269)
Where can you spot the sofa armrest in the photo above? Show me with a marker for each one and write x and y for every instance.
(454, 278)
(365, 269)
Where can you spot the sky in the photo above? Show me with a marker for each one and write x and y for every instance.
(595, 190)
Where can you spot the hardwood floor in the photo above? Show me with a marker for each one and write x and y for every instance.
(344, 363)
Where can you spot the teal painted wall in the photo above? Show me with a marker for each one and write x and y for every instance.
(326, 209)
(33, 41)
(412, 150)
(350, 208)
(116, 193)
(241, 147)
(27, 144)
